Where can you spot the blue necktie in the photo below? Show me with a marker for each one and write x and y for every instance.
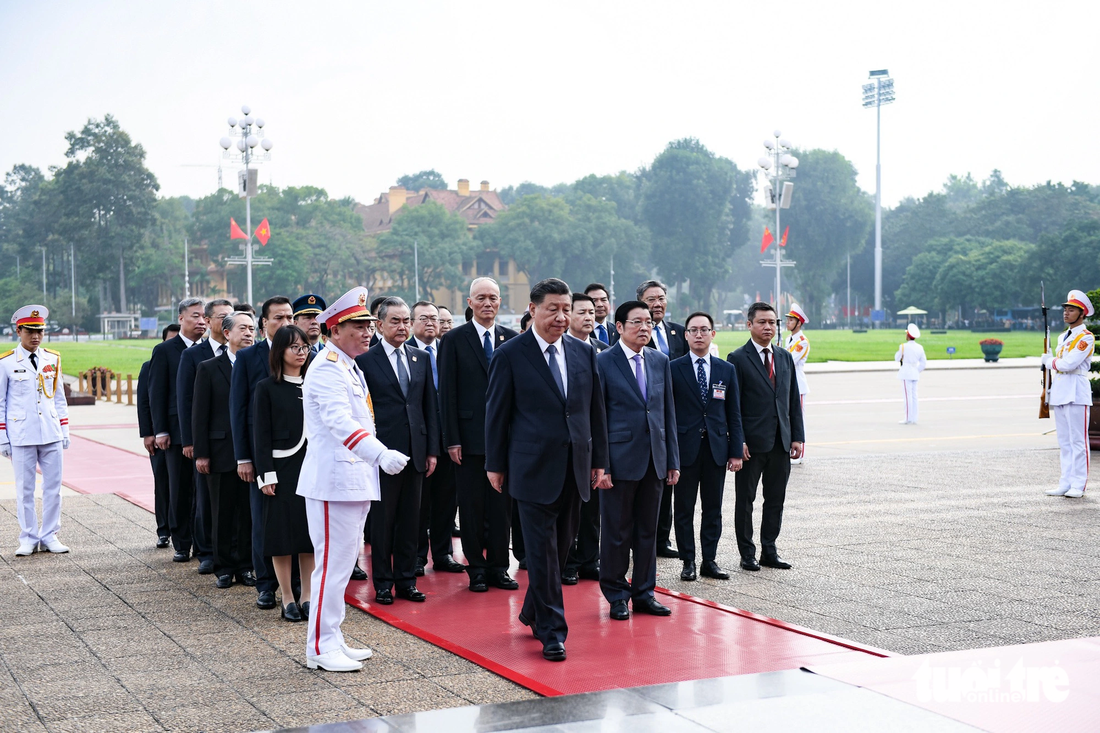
(601, 333)
(702, 375)
(661, 340)
(639, 374)
(552, 352)
(431, 358)
(488, 344)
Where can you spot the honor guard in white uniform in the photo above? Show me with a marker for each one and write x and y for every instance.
(799, 347)
(339, 477)
(912, 360)
(1071, 396)
(34, 428)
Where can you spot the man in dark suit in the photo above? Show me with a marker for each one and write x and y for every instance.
(644, 457)
(406, 413)
(708, 418)
(156, 456)
(584, 552)
(213, 345)
(437, 497)
(771, 416)
(250, 367)
(231, 521)
(545, 440)
(668, 338)
(164, 407)
(603, 329)
(464, 376)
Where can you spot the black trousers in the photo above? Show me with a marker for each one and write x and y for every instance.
(549, 530)
(484, 517)
(230, 522)
(774, 467)
(202, 525)
(394, 523)
(664, 518)
(181, 497)
(519, 549)
(628, 525)
(159, 463)
(585, 552)
(437, 512)
(706, 479)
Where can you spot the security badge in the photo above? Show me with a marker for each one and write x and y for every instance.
(719, 392)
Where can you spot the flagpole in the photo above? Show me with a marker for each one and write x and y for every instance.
(244, 145)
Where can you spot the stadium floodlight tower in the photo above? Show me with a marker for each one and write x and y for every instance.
(876, 94)
(778, 166)
(247, 179)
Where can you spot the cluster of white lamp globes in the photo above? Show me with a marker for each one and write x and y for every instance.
(247, 140)
(779, 147)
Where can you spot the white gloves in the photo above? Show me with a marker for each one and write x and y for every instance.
(392, 462)
(5, 450)
(65, 443)
(1048, 359)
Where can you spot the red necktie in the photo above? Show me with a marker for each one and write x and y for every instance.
(769, 366)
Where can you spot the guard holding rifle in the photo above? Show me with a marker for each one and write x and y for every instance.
(1070, 396)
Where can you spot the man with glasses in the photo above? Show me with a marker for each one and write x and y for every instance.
(603, 329)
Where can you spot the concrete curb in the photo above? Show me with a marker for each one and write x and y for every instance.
(846, 367)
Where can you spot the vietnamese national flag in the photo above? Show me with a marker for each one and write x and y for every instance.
(263, 232)
(783, 241)
(235, 231)
(768, 239)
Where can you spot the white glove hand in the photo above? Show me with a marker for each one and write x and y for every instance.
(392, 462)
(65, 443)
(5, 450)
(1048, 359)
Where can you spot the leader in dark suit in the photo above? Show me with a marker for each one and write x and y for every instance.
(464, 377)
(771, 416)
(156, 458)
(546, 444)
(644, 456)
(708, 422)
(164, 408)
(402, 391)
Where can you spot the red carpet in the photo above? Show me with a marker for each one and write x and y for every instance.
(96, 468)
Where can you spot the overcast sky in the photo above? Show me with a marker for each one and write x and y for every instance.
(356, 94)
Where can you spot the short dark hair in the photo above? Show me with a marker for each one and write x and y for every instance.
(244, 308)
(170, 328)
(583, 296)
(444, 308)
(757, 307)
(700, 314)
(274, 300)
(549, 286)
(422, 304)
(208, 311)
(524, 321)
(650, 284)
(469, 314)
(392, 302)
(624, 310)
(596, 286)
(375, 303)
(283, 339)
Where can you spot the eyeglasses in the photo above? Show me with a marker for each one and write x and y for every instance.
(299, 348)
(698, 331)
(656, 299)
(639, 323)
(427, 319)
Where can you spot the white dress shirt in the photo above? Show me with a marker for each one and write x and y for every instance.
(391, 357)
(232, 356)
(481, 331)
(760, 352)
(559, 357)
(695, 365)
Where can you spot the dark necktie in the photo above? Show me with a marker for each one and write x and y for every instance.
(487, 344)
(402, 373)
(601, 333)
(639, 374)
(34, 361)
(769, 367)
(221, 350)
(431, 358)
(701, 373)
(552, 352)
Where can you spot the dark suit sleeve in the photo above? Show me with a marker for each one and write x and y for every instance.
(498, 413)
(158, 389)
(200, 414)
(798, 430)
(185, 392)
(145, 418)
(238, 410)
(448, 393)
(261, 429)
(734, 429)
(672, 437)
(598, 420)
(431, 412)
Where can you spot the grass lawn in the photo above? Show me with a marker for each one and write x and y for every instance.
(881, 345)
(125, 357)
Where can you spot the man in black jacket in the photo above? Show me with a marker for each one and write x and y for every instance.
(771, 416)
(399, 380)
(464, 377)
(231, 520)
(156, 456)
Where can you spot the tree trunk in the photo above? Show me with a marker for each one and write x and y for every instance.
(121, 285)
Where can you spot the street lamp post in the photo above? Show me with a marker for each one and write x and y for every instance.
(875, 95)
(778, 166)
(246, 143)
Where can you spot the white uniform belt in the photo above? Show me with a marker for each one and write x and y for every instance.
(291, 451)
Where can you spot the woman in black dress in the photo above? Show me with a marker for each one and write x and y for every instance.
(279, 435)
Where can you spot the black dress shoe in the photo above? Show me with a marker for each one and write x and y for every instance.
(224, 581)
(411, 594)
(384, 597)
(527, 622)
(523, 564)
(570, 577)
(652, 607)
(710, 569)
(449, 566)
(206, 567)
(619, 611)
(589, 573)
(304, 608)
(291, 612)
(749, 563)
(775, 561)
(667, 551)
(478, 584)
(358, 573)
(265, 599)
(688, 573)
(503, 581)
(162, 542)
(419, 572)
(181, 556)
(554, 651)
(247, 578)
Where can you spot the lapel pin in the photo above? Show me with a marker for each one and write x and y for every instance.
(501, 337)
(414, 358)
(671, 332)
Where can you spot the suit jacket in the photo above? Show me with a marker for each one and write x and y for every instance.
(677, 342)
(638, 430)
(252, 366)
(594, 342)
(185, 383)
(210, 424)
(719, 419)
(163, 404)
(530, 428)
(145, 416)
(463, 381)
(409, 423)
(768, 411)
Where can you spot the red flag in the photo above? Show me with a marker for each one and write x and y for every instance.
(783, 241)
(768, 239)
(235, 231)
(263, 232)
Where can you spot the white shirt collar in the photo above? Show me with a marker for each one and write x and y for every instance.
(423, 344)
(186, 341)
(585, 340)
(631, 353)
(544, 344)
(759, 348)
(481, 331)
(695, 358)
(390, 348)
(232, 356)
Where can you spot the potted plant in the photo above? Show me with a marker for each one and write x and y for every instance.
(991, 348)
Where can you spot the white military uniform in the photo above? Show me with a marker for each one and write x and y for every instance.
(1071, 402)
(799, 348)
(911, 357)
(34, 420)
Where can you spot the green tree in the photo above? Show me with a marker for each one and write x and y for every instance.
(442, 246)
(430, 178)
(622, 189)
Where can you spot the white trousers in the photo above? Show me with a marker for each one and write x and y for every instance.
(1072, 422)
(336, 528)
(910, 386)
(25, 459)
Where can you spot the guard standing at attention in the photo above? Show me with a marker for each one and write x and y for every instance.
(1071, 395)
(912, 360)
(799, 347)
(34, 428)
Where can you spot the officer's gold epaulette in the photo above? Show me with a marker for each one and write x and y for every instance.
(333, 356)
(7, 353)
(51, 351)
